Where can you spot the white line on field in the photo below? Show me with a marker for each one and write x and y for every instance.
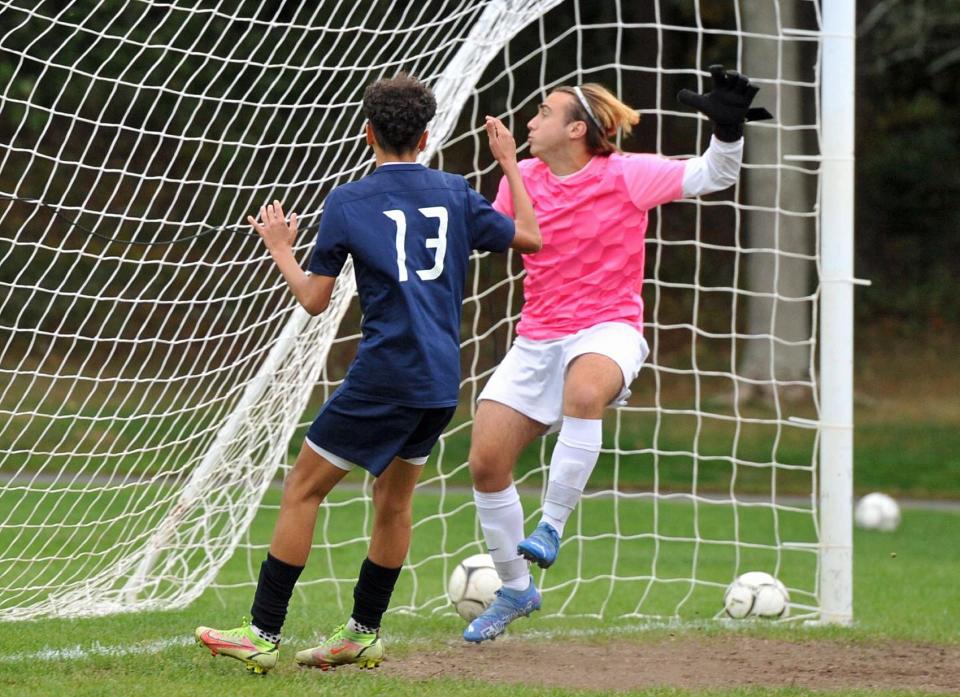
(80, 653)
(25, 478)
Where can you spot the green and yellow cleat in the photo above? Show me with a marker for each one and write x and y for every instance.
(241, 643)
(342, 648)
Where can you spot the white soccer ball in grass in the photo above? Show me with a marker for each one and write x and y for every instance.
(756, 594)
(472, 585)
(877, 511)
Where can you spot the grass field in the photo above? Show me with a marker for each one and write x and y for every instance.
(904, 588)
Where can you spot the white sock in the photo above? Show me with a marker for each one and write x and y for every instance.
(501, 519)
(572, 462)
(355, 626)
(266, 636)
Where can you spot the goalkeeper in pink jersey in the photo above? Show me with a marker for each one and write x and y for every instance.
(580, 343)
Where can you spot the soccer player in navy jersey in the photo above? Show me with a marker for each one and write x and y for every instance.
(410, 231)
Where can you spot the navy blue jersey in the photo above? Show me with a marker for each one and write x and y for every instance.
(410, 230)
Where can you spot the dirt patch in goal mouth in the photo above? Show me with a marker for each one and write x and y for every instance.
(684, 662)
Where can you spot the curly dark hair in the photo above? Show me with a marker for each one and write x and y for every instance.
(399, 109)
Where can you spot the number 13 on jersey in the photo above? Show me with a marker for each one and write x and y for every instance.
(438, 243)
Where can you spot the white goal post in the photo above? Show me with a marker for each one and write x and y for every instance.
(154, 373)
(836, 331)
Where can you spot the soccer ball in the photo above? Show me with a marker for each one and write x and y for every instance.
(756, 594)
(472, 585)
(877, 512)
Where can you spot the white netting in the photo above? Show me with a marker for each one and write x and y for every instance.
(149, 394)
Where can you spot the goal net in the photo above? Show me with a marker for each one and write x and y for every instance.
(156, 377)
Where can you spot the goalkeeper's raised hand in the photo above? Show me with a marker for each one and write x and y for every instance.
(727, 104)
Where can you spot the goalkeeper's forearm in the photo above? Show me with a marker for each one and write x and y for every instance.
(527, 238)
(715, 170)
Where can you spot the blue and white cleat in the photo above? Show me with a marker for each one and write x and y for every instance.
(542, 547)
(507, 606)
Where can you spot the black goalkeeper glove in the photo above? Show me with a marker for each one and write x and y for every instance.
(727, 104)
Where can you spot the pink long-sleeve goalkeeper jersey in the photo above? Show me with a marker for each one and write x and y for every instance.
(593, 224)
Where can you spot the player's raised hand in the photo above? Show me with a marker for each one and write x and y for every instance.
(503, 147)
(273, 228)
(727, 104)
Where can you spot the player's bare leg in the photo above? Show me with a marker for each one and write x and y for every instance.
(500, 434)
(593, 381)
(305, 487)
(393, 513)
(358, 641)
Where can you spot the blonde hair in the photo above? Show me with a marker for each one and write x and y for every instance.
(605, 117)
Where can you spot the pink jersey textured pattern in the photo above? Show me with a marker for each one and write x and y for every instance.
(593, 224)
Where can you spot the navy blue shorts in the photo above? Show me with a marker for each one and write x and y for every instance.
(371, 434)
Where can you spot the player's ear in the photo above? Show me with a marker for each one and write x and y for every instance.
(577, 129)
(422, 143)
(370, 135)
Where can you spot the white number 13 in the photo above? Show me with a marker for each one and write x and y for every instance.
(439, 243)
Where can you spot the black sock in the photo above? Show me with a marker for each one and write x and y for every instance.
(371, 595)
(274, 588)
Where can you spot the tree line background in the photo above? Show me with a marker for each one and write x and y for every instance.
(908, 137)
(908, 161)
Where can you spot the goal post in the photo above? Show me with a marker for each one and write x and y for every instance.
(836, 330)
(154, 371)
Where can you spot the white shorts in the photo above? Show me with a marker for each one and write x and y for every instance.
(530, 377)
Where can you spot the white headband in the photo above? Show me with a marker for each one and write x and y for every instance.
(586, 105)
